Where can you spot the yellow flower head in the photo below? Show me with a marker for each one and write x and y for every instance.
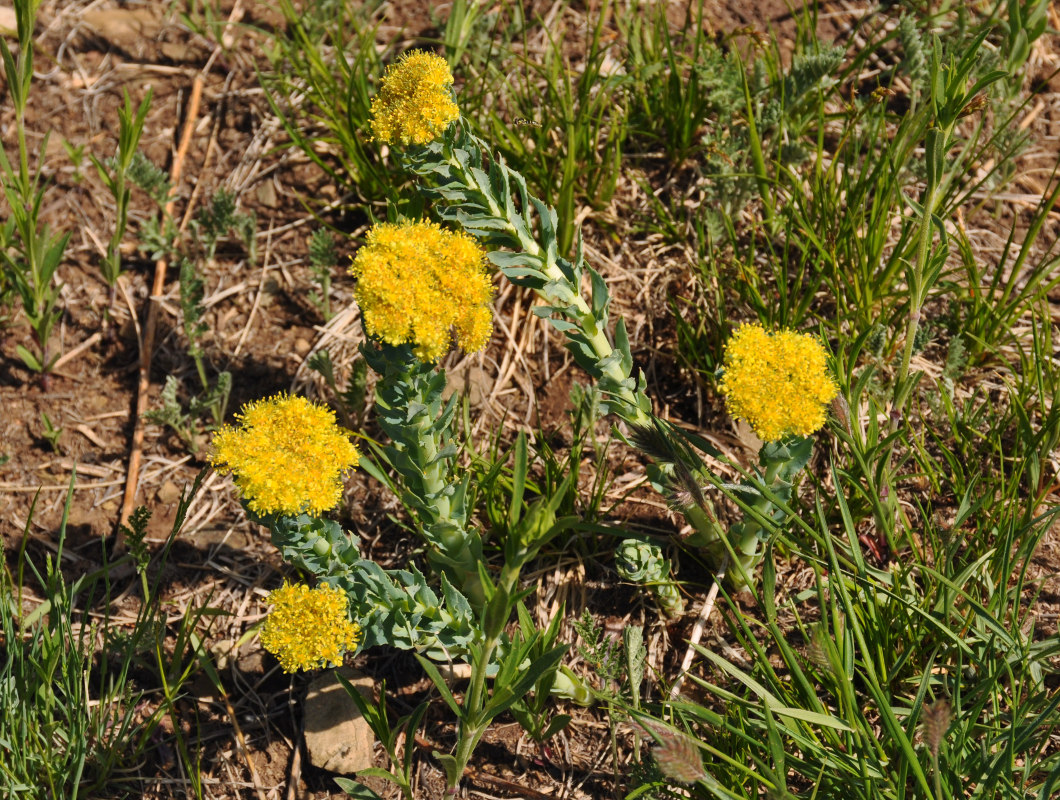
(414, 104)
(288, 455)
(778, 382)
(308, 628)
(417, 281)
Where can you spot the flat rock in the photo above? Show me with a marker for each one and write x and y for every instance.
(168, 493)
(468, 377)
(336, 736)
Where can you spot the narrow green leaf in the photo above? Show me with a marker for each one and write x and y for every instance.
(359, 791)
(519, 470)
(449, 765)
(441, 685)
(29, 359)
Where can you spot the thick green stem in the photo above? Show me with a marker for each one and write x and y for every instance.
(436, 494)
(598, 340)
(434, 474)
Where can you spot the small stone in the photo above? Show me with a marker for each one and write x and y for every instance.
(266, 193)
(168, 493)
(183, 52)
(302, 346)
(469, 378)
(337, 738)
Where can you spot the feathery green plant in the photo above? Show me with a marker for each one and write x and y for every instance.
(323, 258)
(212, 399)
(220, 218)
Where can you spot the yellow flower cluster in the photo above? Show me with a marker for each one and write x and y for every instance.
(414, 104)
(416, 281)
(779, 383)
(308, 628)
(288, 455)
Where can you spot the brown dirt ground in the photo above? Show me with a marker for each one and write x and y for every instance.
(262, 329)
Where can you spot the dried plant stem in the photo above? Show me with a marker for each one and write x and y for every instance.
(147, 340)
(241, 744)
(700, 626)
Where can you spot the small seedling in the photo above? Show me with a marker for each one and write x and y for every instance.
(219, 219)
(150, 177)
(76, 154)
(50, 433)
(115, 175)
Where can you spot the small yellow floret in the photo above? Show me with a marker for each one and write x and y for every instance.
(308, 628)
(779, 383)
(288, 456)
(417, 282)
(414, 104)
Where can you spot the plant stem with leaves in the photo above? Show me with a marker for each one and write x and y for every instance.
(950, 102)
(422, 450)
(31, 267)
(491, 201)
(115, 174)
(506, 659)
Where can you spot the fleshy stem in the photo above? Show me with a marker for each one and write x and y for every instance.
(747, 534)
(491, 201)
(412, 414)
(482, 204)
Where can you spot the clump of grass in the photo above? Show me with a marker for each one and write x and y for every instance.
(319, 86)
(84, 725)
(564, 125)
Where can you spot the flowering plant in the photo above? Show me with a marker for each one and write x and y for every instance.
(475, 190)
(422, 287)
(288, 456)
(308, 627)
(416, 282)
